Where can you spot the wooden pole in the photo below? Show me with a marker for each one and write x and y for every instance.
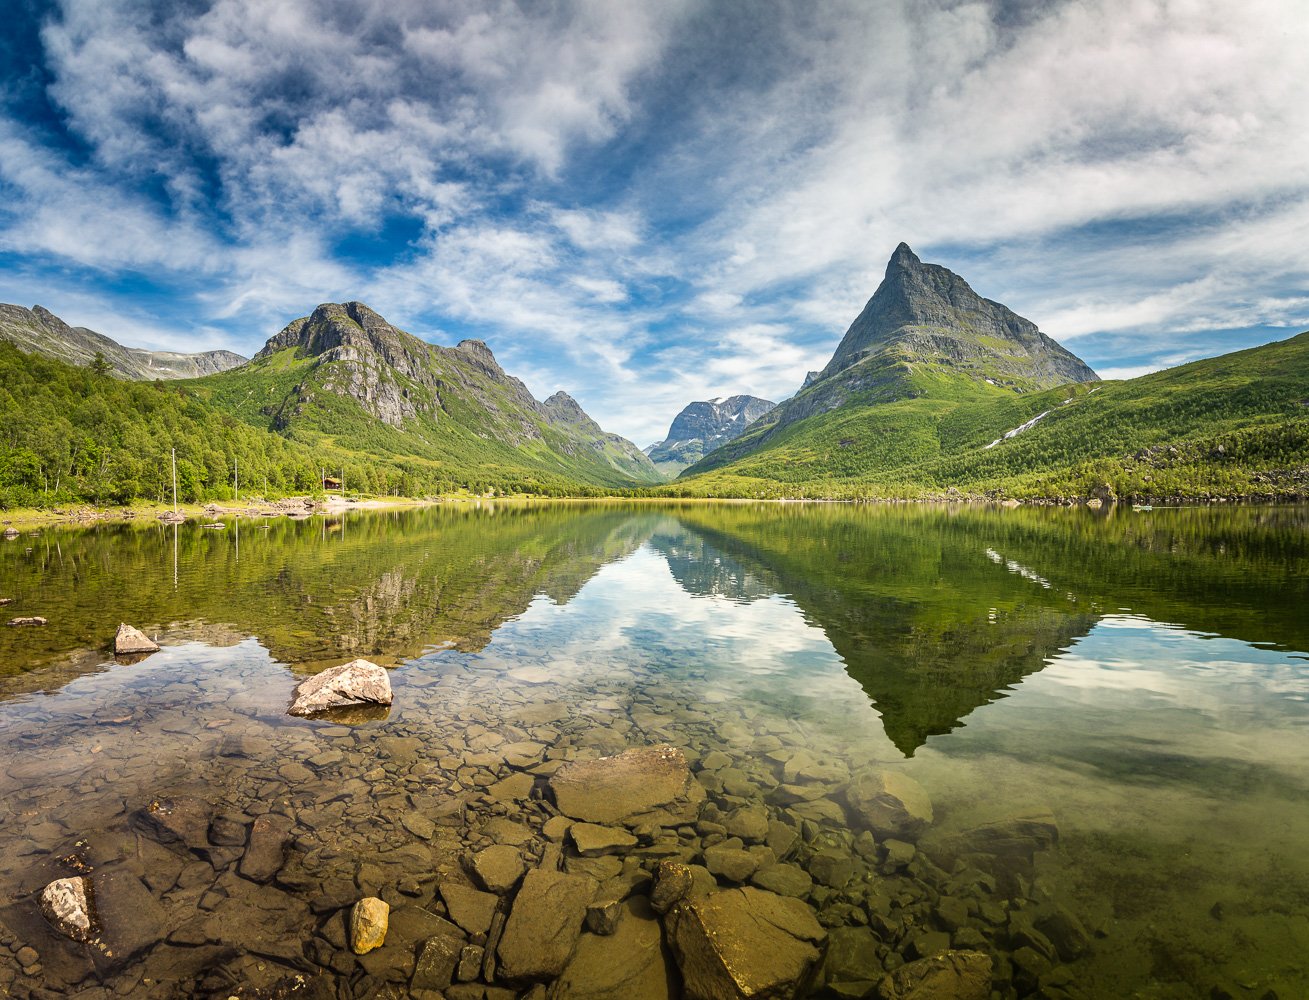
(174, 485)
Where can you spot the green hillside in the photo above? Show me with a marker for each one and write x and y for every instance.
(68, 435)
(1233, 426)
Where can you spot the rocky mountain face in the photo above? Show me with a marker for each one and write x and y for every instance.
(39, 331)
(703, 426)
(924, 332)
(448, 403)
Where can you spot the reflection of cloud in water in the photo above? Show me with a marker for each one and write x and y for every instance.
(634, 611)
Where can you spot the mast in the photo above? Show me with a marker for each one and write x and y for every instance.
(174, 482)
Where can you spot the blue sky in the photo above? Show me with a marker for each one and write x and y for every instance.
(649, 203)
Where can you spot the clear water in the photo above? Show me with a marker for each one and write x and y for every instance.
(1140, 678)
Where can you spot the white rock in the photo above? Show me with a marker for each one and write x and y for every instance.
(65, 905)
(358, 682)
(133, 640)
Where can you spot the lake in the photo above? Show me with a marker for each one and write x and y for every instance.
(1107, 710)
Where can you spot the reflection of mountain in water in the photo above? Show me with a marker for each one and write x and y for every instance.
(936, 611)
(931, 631)
(703, 570)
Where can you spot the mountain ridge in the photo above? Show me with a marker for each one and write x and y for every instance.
(41, 331)
(703, 425)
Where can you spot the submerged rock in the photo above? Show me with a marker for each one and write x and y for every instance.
(131, 640)
(183, 820)
(498, 867)
(266, 851)
(744, 943)
(65, 904)
(369, 919)
(889, 803)
(646, 784)
(956, 975)
(544, 925)
(629, 963)
(358, 682)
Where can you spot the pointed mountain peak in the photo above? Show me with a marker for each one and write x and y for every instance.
(903, 257)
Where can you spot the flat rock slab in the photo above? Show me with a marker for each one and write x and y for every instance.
(130, 920)
(358, 682)
(956, 975)
(646, 784)
(182, 820)
(630, 963)
(890, 803)
(743, 943)
(468, 907)
(266, 851)
(131, 640)
(498, 867)
(544, 925)
(592, 841)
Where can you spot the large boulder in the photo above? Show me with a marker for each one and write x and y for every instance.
(544, 925)
(130, 641)
(630, 963)
(65, 904)
(358, 682)
(956, 975)
(890, 803)
(744, 943)
(642, 785)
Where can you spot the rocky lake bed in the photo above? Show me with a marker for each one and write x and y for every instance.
(610, 799)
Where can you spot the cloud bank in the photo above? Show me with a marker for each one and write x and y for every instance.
(648, 204)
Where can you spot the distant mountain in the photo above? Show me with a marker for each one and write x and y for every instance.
(38, 330)
(346, 375)
(703, 426)
(937, 392)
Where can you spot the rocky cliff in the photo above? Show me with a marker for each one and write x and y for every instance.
(39, 331)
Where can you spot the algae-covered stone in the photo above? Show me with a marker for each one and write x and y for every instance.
(643, 784)
(630, 963)
(890, 803)
(368, 924)
(744, 943)
(956, 975)
(544, 925)
(498, 867)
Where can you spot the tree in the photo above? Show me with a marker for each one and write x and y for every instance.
(99, 366)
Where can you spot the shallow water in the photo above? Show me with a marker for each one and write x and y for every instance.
(1136, 680)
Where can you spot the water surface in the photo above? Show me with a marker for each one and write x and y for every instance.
(1135, 679)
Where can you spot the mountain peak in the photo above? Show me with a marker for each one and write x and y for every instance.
(903, 257)
(929, 313)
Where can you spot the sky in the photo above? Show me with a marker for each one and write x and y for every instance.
(650, 203)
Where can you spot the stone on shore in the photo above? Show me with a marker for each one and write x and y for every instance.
(744, 943)
(65, 904)
(30, 620)
(369, 919)
(358, 682)
(131, 640)
(544, 925)
(956, 975)
(642, 785)
(889, 803)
